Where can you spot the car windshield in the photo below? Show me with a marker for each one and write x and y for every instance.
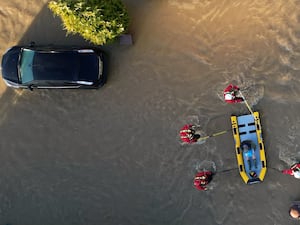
(44, 65)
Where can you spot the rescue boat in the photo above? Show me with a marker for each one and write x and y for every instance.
(247, 131)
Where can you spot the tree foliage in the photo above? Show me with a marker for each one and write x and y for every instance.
(98, 21)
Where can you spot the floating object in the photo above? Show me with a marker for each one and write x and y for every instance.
(125, 39)
(252, 163)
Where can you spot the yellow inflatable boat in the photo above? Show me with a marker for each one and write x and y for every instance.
(249, 147)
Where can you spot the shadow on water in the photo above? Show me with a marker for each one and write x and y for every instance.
(25, 186)
(44, 30)
(47, 29)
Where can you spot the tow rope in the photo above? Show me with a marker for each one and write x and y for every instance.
(214, 135)
(249, 108)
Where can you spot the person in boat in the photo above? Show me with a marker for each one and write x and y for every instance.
(249, 155)
(295, 210)
(293, 171)
(202, 179)
(188, 134)
(231, 94)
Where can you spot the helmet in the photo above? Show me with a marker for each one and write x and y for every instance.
(245, 147)
(229, 97)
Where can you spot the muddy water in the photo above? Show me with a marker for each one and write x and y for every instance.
(113, 156)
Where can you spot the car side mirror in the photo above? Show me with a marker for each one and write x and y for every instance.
(32, 44)
(30, 87)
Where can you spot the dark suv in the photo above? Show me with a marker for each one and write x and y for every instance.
(53, 67)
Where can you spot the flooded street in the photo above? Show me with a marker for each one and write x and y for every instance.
(113, 156)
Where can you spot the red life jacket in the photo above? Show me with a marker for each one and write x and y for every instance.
(202, 179)
(288, 171)
(187, 134)
(292, 169)
(231, 89)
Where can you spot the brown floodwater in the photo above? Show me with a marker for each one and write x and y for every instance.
(113, 155)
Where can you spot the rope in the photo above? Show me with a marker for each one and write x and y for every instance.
(249, 108)
(227, 170)
(214, 135)
(275, 169)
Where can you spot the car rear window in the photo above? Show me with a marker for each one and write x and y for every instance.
(26, 65)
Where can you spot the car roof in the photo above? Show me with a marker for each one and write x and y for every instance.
(68, 65)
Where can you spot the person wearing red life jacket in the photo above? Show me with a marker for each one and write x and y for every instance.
(230, 94)
(188, 134)
(202, 179)
(293, 171)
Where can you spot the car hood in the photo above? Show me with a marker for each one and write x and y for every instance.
(10, 64)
